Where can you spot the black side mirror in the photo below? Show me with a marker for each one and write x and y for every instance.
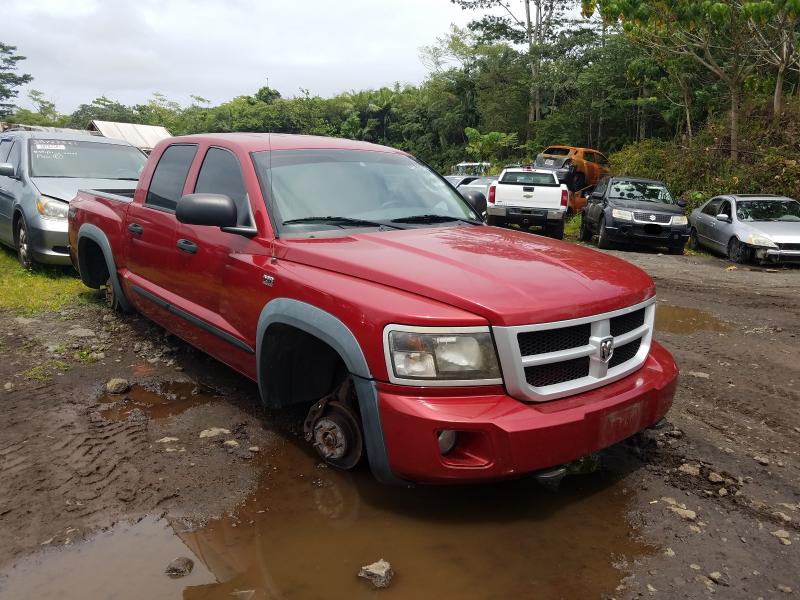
(682, 203)
(7, 170)
(475, 199)
(216, 210)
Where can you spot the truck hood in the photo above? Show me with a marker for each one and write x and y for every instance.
(507, 277)
(66, 188)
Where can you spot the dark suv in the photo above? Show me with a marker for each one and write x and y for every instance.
(631, 210)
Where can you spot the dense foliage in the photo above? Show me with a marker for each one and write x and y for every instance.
(702, 94)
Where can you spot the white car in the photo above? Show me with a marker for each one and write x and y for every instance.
(528, 196)
(746, 227)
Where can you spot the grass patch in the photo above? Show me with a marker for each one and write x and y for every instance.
(572, 226)
(45, 371)
(44, 289)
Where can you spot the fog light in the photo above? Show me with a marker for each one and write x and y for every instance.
(447, 440)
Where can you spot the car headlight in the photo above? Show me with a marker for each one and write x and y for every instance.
(680, 220)
(622, 215)
(441, 356)
(51, 208)
(755, 239)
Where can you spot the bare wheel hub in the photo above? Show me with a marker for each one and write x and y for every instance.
(330, 440)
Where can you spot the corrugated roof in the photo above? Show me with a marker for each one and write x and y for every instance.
(144, 137)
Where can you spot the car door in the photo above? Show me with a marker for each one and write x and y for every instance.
(705, 222)
(151, 230)
(722, 231)
(594, 205)
(10, 188)
(210, 267)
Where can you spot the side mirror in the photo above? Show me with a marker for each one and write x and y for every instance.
(216, 210)
(682, 203)
(723, 217)
(475, 199)
(7, 170)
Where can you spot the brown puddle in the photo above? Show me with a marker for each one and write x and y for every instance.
(684, 320)
(165, 399)
(307, 530)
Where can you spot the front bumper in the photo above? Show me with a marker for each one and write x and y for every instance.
(500, 437)
(49, 241)
(527, 216)
(647, 234)
(777, 256)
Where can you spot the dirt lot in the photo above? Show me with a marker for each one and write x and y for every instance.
(101, 491)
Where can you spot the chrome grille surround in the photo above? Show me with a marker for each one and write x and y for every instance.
(601, 372)
(645, 217)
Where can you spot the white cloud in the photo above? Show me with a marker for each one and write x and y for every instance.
(128, 49)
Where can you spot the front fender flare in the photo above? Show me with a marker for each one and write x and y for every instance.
(338, 336)
(94, 233)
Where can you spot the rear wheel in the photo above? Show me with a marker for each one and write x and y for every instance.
(602, 236)
(555, 231)
(584, 234)
(738, 252)
(23, 244)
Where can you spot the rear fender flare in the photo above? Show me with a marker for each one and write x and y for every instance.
(94, 233)
(338, 336)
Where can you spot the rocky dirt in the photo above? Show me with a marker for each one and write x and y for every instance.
(715, 494)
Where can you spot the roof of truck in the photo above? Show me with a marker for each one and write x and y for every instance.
(259, 142)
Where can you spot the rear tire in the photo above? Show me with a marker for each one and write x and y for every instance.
(555, 231)
(584, 235)
(495, 221)
(22, 241)
(602, 236)
(738, 252)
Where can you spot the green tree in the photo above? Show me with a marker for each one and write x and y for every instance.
(10, 80)
(489, 147)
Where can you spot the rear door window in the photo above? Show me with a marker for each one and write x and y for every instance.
(166, 186)
(529, 178)
(221, 174)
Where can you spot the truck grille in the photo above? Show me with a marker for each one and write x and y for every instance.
(646, 217)
(552, 360)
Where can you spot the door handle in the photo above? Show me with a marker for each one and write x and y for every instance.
(136, 229)
(187, 246)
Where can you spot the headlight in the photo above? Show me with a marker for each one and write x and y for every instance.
(754, 239)
(50, 208)
(622, 215)
(441, 355)
(680, 220)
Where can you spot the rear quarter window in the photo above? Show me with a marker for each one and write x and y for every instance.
(528, 178)
(557, 151)
(168, 180)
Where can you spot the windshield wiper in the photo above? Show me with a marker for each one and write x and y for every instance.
(433, 219)
(340, 221)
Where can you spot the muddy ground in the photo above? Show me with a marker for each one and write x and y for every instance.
(99, 492)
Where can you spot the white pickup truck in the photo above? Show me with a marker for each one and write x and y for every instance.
(528, 196)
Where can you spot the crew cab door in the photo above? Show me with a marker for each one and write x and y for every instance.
(151, 230)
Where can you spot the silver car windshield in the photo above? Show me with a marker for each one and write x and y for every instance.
(323, 189)
(768, 210)
(640, 191)
(85, 160)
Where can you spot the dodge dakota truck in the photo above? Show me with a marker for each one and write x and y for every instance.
(353, 280)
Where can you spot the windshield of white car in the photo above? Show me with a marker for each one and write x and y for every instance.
(768, 210)
(377, 187)
(85, 160)
(640, 191)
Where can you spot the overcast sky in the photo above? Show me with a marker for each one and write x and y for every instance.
(218, 49)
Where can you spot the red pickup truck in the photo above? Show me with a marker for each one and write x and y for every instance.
(352, 279)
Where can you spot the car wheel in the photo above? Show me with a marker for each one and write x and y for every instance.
(23, 241)
(584, 234)
(693, 243)
(495, 221)
(738, 252)
(112, 300)
(602, 237)
(555, 231)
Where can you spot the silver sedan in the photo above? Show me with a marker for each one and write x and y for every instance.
(748, 227)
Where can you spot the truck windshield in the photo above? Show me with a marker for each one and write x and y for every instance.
(324, 189)
(85, 160)
(640, 191)
(768, 210)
